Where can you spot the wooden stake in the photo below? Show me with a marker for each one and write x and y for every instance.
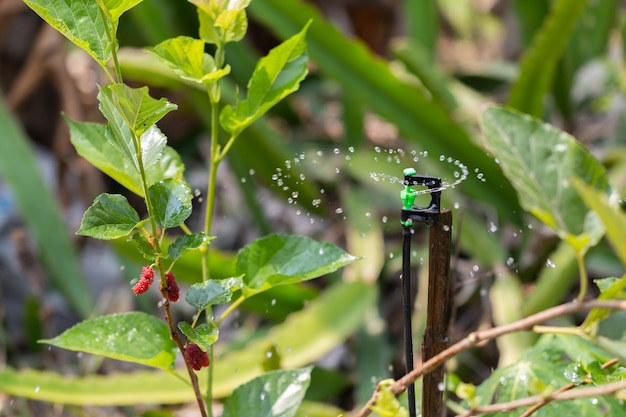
(438, 313)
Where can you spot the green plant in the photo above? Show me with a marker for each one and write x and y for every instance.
(132, 150)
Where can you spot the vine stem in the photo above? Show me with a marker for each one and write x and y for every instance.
(481, 336)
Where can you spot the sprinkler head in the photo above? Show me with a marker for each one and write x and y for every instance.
(411, 213)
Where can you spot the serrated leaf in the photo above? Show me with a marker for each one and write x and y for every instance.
(117, 7)
(109, 217)
(213, 292)
(80, 21)
(276, 75)
(186, 56)
(188, 242)
(133, 106)
(144, 247)
(133, 337)
(280, 260)
(171, 202)
(274, 394)
(540, 161)
(91, 143)
(203, 335)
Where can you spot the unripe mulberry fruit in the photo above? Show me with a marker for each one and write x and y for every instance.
(172, 289)
(195, 356)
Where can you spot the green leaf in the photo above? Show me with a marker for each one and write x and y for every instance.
(610, 289)
(276, 75)
(117, 7)
(171, 202)
(78, 20)
(109, 217)
(387, 405)
(188, 242)
(91, 143)
(203, 335)
(274, 394)
(144, 247)
(187, 58)
(575, 373)
(279, 260)
(540, 161)
(133, 106)
(222, 21)
(134, 337)
(41, 213)
(213, 292)
(539, 63)
(614, 220)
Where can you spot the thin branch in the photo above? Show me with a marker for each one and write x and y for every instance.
(605, 389)
(482, 336)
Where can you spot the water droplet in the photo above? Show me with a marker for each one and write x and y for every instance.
(475, 268)
(492, 227)
(302, 177)
(251, 172)
(262, 396)
(368, 214)
(273, 302)
(384, 219)
(456, 205)
(391, 255)
(294, 194)
(442, 158)
(321, 251)
(510, 261)
(339, 210)
(316, 202)
(441, 386)
(550, 264)
(197, 192)
(37, 388)
(351, 149)
(503, 380)
(446, 227)
(243, 180)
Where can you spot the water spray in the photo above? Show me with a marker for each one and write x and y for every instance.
(439, 300)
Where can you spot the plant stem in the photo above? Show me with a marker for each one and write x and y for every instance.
(179, 343)
(111, 37)
(482, 336)
(582, 270)
(214, 162)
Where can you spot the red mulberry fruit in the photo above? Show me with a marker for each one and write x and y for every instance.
(172, 289)
(146, 279)
(196, 357)
(142, 286)
(147, 273)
